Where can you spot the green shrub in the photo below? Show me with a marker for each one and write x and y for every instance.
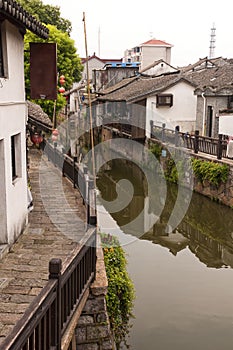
(121, 293)
(214, 173)
(156, 149)
(171, 173)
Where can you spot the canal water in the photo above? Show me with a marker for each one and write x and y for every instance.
(183, 279)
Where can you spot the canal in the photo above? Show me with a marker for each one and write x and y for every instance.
(183, 279)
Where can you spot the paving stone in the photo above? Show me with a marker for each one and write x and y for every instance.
(53, 231)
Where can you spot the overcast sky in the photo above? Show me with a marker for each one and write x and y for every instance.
(113, 26)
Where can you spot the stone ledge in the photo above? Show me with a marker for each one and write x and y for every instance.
(100, 285)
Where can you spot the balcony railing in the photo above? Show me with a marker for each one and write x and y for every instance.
(213, 146)
(46, 320)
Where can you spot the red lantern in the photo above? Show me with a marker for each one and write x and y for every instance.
(36, 138)
(55, 132)
(54, 135)
(62, 80)
(61, 90)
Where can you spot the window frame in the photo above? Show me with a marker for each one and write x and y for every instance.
(1, 53)
(16, 156)
(161, 100)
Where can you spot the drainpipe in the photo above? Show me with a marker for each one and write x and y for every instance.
(203, 116)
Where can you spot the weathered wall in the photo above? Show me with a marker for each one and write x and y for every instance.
(93, 330)
(217, 105)
(223, 193)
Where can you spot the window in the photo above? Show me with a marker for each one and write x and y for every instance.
(230, 102)
(1, 53)
(164, 100)
(16, 156)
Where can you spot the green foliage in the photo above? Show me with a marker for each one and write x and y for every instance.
(121, 293)
(156, 149)
(171, 173)
(47, 14)
(68, 64)
(214, 173)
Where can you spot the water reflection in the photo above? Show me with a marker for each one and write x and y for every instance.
(183, 292)
(206, 229)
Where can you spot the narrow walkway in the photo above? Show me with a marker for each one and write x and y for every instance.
(56, 225)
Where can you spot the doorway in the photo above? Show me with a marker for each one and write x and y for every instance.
(209, 122)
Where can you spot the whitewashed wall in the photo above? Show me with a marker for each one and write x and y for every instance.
(13, 112)
(151, 54)
(182, 113)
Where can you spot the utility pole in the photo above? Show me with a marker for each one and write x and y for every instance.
(99, 42)
(89, 103)
(212, 42)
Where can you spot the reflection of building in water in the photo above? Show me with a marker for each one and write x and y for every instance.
(130, 217)
(202, 230)
(141, 212)
(211, 252)
(174, 241)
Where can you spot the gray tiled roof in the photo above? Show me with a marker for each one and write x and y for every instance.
(206, 75)
(15, 12)
(36, 113)
(143, 87)
(214, 78)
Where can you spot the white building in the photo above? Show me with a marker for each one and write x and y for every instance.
(13, 116)
(148, 52)
(94, 62)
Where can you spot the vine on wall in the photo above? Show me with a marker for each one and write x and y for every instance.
(121, 293)
(214, 173)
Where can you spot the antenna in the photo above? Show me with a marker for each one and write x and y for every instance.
(212, 41)
(99, 42)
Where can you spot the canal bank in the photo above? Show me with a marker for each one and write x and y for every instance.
(183, 279)
(211, 177)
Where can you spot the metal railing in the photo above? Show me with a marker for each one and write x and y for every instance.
(45, 321)
(213, 146)
(47, 318)
(78, 175)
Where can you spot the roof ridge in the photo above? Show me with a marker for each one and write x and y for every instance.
(16, 12)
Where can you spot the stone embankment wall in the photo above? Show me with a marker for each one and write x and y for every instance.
(93, 330)
(223, 193)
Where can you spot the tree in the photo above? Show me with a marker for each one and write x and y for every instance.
(68, 64)
(47, 14)
(68, 61)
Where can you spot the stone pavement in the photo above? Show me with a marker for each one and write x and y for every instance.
(56, 224)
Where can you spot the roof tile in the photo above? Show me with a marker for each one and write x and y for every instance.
(13, 10)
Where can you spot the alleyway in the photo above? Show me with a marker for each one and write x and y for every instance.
(56, 224)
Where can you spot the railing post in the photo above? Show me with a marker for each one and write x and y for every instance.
(196, 141)
(63, 166)
(177, 129)
(151, 129)
(219, 147)
(55, 151)
(163, 132)
(74, 161)
(55, 266)
(85, 184)
(91, 204)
